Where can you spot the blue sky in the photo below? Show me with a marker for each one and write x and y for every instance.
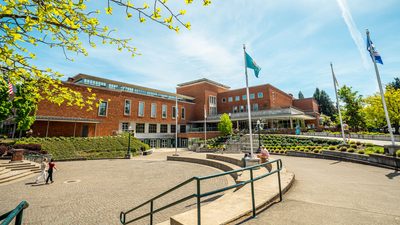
(292, 41)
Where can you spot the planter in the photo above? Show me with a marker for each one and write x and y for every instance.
(148, 152)
(17, 155)
(391, 149)
(346, 155)
(385, 160)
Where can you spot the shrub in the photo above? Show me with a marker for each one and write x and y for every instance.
(319, 147)
(343, 149)
(332, 148)
(351, 149)
(353, 146)
(306, 150)
(302, 149)
(360, 151)
(358, 143)
(352, 142)
(375, 149)
(282, 151)
(317, 150)
(398, 153)
(368, 145)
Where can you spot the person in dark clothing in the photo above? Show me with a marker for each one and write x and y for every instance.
(52, 166)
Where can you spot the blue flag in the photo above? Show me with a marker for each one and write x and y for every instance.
(250, 63)
(374, 53)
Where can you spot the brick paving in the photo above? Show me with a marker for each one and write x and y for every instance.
(105, 188)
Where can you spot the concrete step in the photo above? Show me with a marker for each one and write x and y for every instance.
(4, 171)
(23, 168)
(19, 176)
(12, 174)
(14, 164)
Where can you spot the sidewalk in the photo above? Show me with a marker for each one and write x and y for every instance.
(375, 142)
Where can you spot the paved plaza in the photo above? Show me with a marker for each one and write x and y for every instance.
(104, 188)
(334, 192)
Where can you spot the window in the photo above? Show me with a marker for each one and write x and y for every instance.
(244, 97)
(125, 127)
(183, 128)
(173, 112)
(241, 108)
(127, 107)
(140, 128)
(103, 108)
(183, 113)
(260, 95)
(237, 98)
(152, 128)
(153, 113)
(164, 128)
(230, 99)
(235, 109)
(223, 100)
(173, 128)
(213, 105)
(141, 109)
(164, 111)
(255, 107)
(252, 96)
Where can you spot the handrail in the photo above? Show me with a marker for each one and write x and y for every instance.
(15, 213)
(199, 195)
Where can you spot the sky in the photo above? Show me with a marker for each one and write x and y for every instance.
(292, 41)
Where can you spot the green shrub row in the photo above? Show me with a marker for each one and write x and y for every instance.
(62, 148)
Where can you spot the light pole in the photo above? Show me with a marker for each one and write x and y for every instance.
(259, 127)
(128, 153)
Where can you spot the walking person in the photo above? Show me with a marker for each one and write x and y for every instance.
(52, 166)
(43, 173)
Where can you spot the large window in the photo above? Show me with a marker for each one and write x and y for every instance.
(127, 107)
(125, 127)
(141, 109)
(173, 128)
(235, 109)
(260, 95)
(164, 128)
(183, 128)
(252, 96)
(183, 113)
(244, 97)
(173, 112)
(241, 108)
(164, 111)
(153, 113)
(255, 107)
(237, 98)
(140, 128)
(103, 108)
(213, 105)
(223, 100)
(230, 99)
(152, 128)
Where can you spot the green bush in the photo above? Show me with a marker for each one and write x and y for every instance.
(352, 142)
(343, 149)
(351, 150)
(398, 153)
(306, 150)
(375, 149)
(360, 152)
(317, 150)
(332, 148)
(358, 143)
(319, 147)
(368, 145)
(282, 151)
(64, 148)
(353, 146)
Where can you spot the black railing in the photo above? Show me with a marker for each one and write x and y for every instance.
(200, 195)
(15, 213)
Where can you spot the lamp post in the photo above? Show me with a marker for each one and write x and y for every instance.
(259, 127)
(128, 153)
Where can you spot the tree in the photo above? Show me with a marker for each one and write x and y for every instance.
(352, 113)
(64, 25)
(225, 125)
(373, 110)
(395, 84)
(325, 103)
(301, 96)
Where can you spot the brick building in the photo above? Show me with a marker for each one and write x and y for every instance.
(151, 113)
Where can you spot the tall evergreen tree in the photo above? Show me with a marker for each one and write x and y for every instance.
(325, 103)
(301, 96)
(395, 84)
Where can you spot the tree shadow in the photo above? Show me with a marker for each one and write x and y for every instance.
(335, 162)
(393, 174)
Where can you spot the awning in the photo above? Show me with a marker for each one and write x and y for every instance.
(66, 119)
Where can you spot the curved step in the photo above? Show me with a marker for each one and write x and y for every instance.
(12, 177)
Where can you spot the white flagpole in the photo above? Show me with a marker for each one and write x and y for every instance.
(205, 125)
(337, 103)
(248, 103)
(381, 89)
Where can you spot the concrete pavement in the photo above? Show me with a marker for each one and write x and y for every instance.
(333, 192)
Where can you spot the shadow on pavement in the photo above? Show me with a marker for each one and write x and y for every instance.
(335, 162)
(393, 174)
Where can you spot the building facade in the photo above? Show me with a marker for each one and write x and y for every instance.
(151, 114)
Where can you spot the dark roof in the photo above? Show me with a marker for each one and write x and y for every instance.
(203, 80)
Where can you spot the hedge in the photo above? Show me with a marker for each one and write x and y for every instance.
(64, 148)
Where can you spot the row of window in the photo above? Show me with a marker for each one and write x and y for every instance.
(152, 128)
(244, 97)
(242, 108)
(103, 107)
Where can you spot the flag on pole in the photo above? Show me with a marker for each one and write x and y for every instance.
(336, 82)
(250, 63)
(373, 53)
(10, 90)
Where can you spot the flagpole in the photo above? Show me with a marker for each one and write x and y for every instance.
(205, 126)
(248, 103)
(176, 126)
(380, 89)
(337, 103)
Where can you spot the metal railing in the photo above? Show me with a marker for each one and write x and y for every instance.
(37, 158)
(15, 213)
(200, 195)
